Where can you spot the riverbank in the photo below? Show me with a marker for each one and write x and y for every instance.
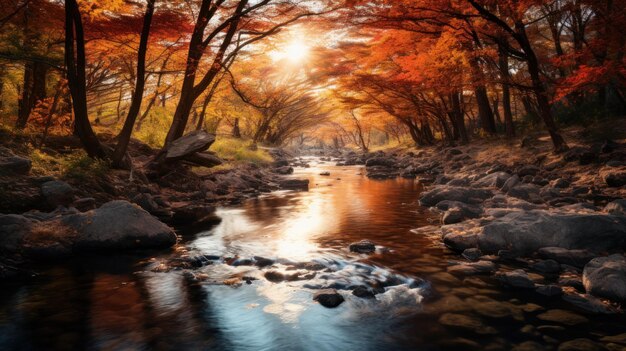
(55, 202)
(534, 220)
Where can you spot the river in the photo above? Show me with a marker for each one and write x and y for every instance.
(118, 303)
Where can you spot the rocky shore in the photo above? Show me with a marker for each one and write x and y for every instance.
(44, 218)
(555, 224)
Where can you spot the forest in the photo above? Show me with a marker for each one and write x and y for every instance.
(222, 174)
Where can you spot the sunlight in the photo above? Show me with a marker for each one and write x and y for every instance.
(295, 52)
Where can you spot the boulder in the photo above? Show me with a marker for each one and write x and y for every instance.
(497, 180)
(363, 292)
(363, 246)
(528, 231)
(328, 298)
(516, 279)
(528, 170)
(510, 183)
(472, 254)
(118, 225)
(615, 179)
(527, 192)
(12, 164)
(189, 144)
(576, 258)
(204, 159)
(383, 161)
(549, 290)
(548, 266)
(13, 229)
(146, 201)
(57, 193)
(444, 192)
(472, 268)
(606, 277)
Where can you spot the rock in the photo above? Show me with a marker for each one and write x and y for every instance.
(606, 277)
(57, 193)
(618, 339)
(549, 290)
(326, 174)
(615, 179)
(204, 159)
(328, 298)
(383, 161)
(589, 303)
(12, 164)
(444, 192)
(465, 322)
(262, 261)
(363, 246)
(576, 258)
(146, 201)
(528, 170)
(472, 254)
(559, 183)
(13, 229)
(510, 183)
(85, 204)
(452, 216)
(471, 268)
(546, 266)
(274, 276)
(283, 170)
(616, 208)
(528, 231)
(516, 279)
(527, 192)
(189, 144)
(294, 184)
(529, 346)
(497, 180)
(119, 225)
(581, 345)
(363, 292)
(563, 317)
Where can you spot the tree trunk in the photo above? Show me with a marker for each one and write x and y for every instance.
(34, 90)
(236, 131)
(505, 79)
(75, 64)
(135, 105)
(457, 113)
(539, 89)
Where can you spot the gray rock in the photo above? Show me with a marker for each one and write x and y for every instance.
(497, 180)
(328, 298)
(528, 231)
(85, 204)
(606, 277)
(189, 144)
(528, 170)
(118, 225)
(12, 164)
(472, 254)
(516, 279)
(616, 208)
(13, 229)
(465, 322)
(444, 192)
(527, 192)
(576, 258)
(510, 183)
(363, 246)
(547, 266)
(559, 183)
(472, 268)
(146, 201)
(615, 179)
(57, 193)
(383, 161)
(363, 292)
(589, 303)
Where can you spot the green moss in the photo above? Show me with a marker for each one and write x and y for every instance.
(75, 165)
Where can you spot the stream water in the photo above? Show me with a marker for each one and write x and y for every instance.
(117, 303)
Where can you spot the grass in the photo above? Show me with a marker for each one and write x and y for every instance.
(75, 165)
(237, 150)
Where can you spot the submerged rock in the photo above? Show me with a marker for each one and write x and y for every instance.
(563, 317)
(363, 246)
(294, 184)
(606, 277)
(465, 322)
(444, 192)
(328, 298)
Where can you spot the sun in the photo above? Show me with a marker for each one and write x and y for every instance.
(295, 52)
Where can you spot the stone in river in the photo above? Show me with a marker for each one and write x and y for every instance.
(581, 345)
(328, 298)
(516, 279)
(363, 292)
(465, 322)
(563, 317)
(363, 246)
(606, 277)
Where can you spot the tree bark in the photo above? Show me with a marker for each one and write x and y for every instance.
(505, 78)
(75, 63)
(140, 82)
(34, 90)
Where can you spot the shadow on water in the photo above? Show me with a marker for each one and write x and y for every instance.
(112, 303)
